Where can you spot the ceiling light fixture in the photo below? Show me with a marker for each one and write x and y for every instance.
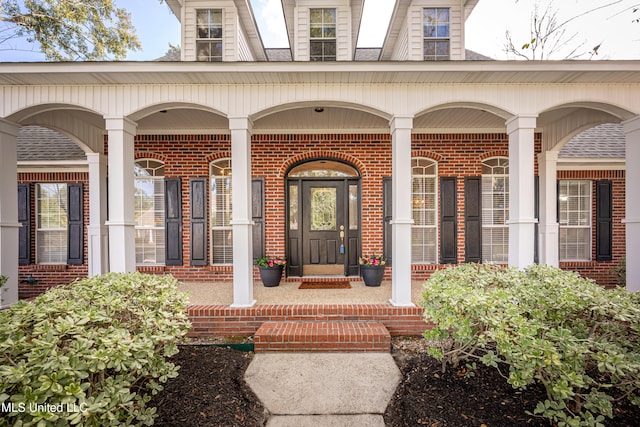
(318, 109)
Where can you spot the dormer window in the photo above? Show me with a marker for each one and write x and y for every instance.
(436, 34)
(322, 27)
(209, 35)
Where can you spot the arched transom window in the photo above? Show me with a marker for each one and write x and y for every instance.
(495, 210)
(149, 212)
(424, 233)
(220, 196)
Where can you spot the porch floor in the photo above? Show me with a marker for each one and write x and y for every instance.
(221, 293)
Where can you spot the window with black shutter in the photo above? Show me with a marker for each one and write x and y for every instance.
(75, 246)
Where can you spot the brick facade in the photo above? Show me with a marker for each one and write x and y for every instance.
(189, 156)
(51, 275)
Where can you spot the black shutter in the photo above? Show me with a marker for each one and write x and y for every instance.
(387, 216)
(604, 221)
(173, 221)
(24, 218)
(198, 187)
(257, 216)
(473, 219)
(448, 221)
(75, 248)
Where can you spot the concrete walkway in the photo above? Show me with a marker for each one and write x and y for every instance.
(324, 389)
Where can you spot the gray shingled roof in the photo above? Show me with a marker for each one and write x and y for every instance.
(605, 141)
(279, 55)
(367, 53)
(39, 143)
(470, 55)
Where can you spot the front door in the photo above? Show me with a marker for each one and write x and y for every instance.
(323, 219)
(323, 227)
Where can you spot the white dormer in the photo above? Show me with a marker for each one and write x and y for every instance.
(427, 30)
(323, 30)
(218, 30)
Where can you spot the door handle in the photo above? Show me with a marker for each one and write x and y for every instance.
(342, 239)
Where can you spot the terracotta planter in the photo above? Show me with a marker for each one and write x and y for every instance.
(372, 274)
(271, 276)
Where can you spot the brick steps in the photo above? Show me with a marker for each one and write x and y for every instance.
(322, 336)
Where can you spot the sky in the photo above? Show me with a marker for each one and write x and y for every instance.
(610, 27)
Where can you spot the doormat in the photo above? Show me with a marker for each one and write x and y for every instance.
(325, 285)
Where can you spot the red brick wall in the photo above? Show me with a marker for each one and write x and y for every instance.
(51, 275)
(603, 272)
(459, 155)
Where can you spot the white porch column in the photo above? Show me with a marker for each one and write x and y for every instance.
(549, 228)
(9, 224)
(122, 245)
(241, 222)
(402, 213)
(632, 201)
(521, 190)
(98, 245)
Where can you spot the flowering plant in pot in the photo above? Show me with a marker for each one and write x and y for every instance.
(271, 270)
(372, 269)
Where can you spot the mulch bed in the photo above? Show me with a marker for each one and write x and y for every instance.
(210, 391)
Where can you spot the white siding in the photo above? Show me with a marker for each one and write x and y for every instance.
(244, 51)
(229, 31)
(401, 49)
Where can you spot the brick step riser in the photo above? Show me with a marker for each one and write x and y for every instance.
(322, 337)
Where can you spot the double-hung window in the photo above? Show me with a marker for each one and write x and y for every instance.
(436, 43)
(149, 212)
(575, 220)
(221, 230)
(495, 210)
(51, 223)
(322, 34)
(209, 35)
(424, 205)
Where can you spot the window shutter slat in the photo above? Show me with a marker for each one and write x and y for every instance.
(448, 221)
(257, 216)
(472, 219)
(604, 221)
(24, 218)
(173, 221)
(75, 248)
(198, 187)
(387, 213)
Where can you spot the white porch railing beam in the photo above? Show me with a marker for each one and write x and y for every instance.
(521, 190)
(122, 244)
(9, 225)
(549, 228)
(98, 235)
(402, 213)
(632, 201)
(241, 221)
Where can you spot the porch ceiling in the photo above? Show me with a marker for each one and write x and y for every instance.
(470, 72)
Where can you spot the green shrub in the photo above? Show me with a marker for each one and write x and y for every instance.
(90, 353)
(550, 326)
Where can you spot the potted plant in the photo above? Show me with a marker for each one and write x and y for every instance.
(271, 270)
(372, 269)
